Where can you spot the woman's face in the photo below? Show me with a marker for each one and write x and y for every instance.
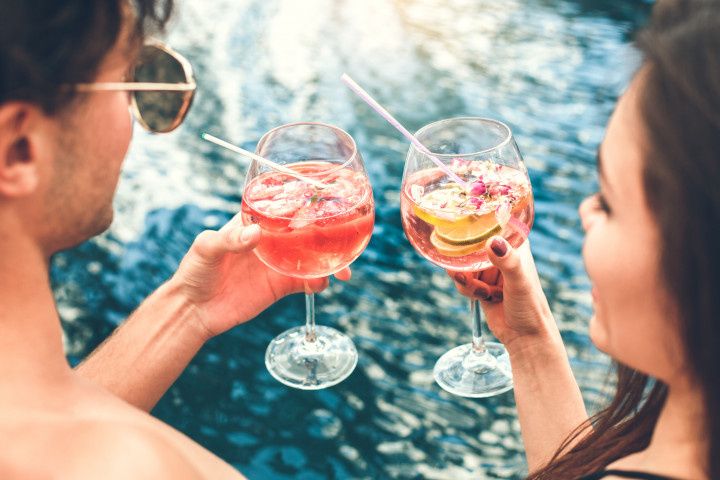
(635, 320)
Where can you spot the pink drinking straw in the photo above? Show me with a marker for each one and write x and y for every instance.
(386, 115)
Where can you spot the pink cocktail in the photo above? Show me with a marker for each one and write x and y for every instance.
(449, 225)
(465, 182)
(308, 231)
(310, 194)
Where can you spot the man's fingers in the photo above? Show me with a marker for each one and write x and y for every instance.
(233, 223)
(212, 245)
(345, 274)
(320, 284)
(316, 285)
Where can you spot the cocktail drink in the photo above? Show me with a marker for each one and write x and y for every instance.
(309, 230)
(449, 223)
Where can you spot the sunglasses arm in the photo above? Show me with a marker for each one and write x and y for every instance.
(135, 87)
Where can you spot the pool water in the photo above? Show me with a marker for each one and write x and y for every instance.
(551, 69)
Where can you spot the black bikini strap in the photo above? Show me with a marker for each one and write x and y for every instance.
(631, 474)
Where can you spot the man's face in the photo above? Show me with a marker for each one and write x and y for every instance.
(92, 138)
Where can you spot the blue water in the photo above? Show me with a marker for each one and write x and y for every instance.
(551, 69)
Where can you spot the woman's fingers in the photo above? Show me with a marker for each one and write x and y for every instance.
(477, 289)
(489, 276)
(507, 261)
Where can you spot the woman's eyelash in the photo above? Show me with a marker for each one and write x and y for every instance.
(602, 203)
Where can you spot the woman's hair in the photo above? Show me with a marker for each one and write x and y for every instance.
(46, 45)
(679, 104)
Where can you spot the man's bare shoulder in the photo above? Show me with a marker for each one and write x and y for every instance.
(90, 449)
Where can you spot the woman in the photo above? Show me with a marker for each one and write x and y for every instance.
(653, 231)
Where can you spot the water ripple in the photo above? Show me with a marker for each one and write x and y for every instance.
(552, 69)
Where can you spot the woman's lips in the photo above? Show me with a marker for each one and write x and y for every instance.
(594, 294)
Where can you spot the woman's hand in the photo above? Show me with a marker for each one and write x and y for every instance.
(510, 294)
(226, 284)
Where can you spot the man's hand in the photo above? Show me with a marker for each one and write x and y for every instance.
(220, 284)
(225, 282)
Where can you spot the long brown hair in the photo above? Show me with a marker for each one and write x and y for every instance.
(680, 108)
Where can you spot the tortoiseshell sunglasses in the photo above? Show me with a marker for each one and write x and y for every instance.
(162, 89)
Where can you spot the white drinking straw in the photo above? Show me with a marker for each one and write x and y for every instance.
(387, 116)
(262, 160)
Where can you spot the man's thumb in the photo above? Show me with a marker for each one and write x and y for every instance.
(212, 246)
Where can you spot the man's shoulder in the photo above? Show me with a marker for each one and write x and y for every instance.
(121, 450)
(93, 449)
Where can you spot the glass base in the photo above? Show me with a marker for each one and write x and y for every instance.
(467, 374)
(322, 363)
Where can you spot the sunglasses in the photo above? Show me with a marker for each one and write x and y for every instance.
(162, 89)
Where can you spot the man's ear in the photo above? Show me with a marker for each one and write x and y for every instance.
(20, 138)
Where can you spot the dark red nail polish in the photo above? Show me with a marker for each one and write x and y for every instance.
(499, 248)
(497, 297)
(460, 278)
(482, 293)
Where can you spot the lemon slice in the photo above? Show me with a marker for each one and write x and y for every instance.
(474, 229)
(450, 250)
(441, 207)
(435, 219)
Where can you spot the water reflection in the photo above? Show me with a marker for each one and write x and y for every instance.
(552, 69)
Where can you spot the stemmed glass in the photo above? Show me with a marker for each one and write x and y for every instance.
(309, 230)
(449, 223)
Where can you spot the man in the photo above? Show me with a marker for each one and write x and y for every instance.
(61, 148)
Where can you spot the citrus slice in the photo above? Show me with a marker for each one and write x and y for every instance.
(442, 206)
(439, 219)
(450, 250)
(463, 236)
(475, 229)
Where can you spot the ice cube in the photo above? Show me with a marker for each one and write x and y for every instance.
(286, 208)
(291, 188)
(502, 213)
(303, 217)
(263, 192)
(417, 192)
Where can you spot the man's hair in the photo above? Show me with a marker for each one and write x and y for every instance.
(48, 44)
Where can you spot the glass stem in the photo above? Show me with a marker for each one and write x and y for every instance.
(309, 314)
(478, 343)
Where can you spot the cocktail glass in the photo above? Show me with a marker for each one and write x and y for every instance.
(309, 231)
(449, 224)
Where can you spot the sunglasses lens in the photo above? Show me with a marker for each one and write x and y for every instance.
(160, 111)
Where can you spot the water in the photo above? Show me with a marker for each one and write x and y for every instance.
(551, 69)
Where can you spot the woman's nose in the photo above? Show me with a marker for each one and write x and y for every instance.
(586, 212)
